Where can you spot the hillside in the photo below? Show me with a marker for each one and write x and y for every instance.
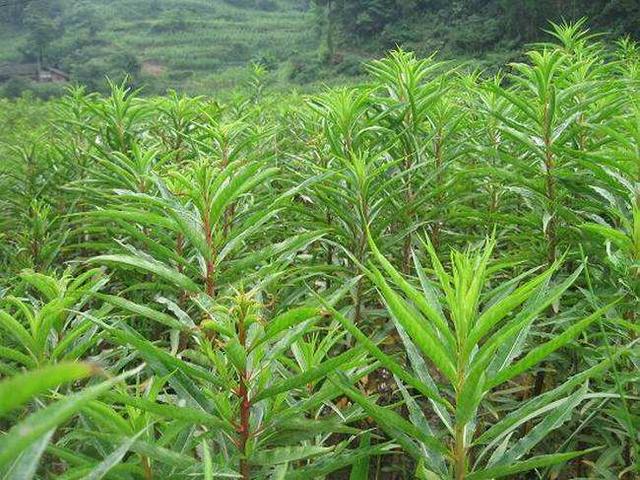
(193, 45)
(207, 46)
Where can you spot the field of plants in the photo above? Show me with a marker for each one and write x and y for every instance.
(432, 275)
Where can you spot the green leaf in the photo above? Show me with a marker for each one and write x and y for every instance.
(243, 180)
(288, 454)
(429, 344)
(46, 285)
(182, 374)
(309, 376)
(537, 406)
(470, 396)
(551, 421)
(163, 455)
(286, 320)
(489, 318)
(172, 276)
(527, 465)
(416, 297)
(520, 322)
(22, 435)
(175, 412)
(133, 216)
(360, 469)
(236, 354)
(400, 429)
(337, 461)
(14, 328)
(26, 466)
(113, 459)
(16, 391)
(541, 352)
(393, 366)
(16, 356)
(144, 311)
(207, 462)
(618, 238)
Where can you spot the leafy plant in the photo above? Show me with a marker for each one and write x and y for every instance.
(266, 313)
(464, 340)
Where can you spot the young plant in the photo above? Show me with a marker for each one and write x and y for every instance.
(466, 339)
(410, 99)
(33, 433)
(239, 399)
(355, 190)
(47, 327)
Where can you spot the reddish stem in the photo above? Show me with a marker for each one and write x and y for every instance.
(245, 408)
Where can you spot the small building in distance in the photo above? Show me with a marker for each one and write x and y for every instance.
(52, 75)
(32, 72)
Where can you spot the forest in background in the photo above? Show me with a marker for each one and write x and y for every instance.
(207, 46)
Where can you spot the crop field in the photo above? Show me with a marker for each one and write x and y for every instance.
(433, 274)
(191, 45)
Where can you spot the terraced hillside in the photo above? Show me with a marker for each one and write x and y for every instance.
(200, 43)
(191, 45)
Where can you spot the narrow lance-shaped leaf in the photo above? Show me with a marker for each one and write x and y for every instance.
(416, 297)
(16, 391)
(541, 352)
(113, 459)
(37, 424)
(172, 276)
(310, 375)
(430, 346)
(527, 465)
(399, 428)
(385, 360)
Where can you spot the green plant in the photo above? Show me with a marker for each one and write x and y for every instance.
(470, 338)
(259, 409)
(24, 445)
(266, 297)
(48, 327)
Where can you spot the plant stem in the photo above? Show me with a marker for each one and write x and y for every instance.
(409, 199)
(245, 416)
(362, 251)
(146, 466)
(460, 453)
(437, 226)
(245, 407)
(550, 233)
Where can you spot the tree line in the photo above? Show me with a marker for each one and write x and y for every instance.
(522, 20)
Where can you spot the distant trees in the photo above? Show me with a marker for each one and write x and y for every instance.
(41, 21)
(328, 23)
(267, 5)
(118, 66)
(83, 19)
(522, 20)
(360, 17)
(12, 12)
(367, 17)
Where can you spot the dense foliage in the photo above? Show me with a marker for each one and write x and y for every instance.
(518, 19)
(432, 275)
(485, 32)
